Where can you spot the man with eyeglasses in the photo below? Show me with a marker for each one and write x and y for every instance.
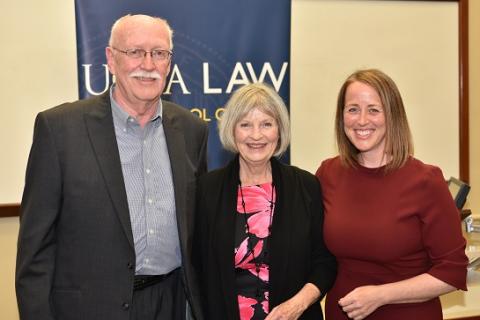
(106, 218)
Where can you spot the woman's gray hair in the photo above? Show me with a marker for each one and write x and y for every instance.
(246, 98)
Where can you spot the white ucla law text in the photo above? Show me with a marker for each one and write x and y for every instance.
(241, 74)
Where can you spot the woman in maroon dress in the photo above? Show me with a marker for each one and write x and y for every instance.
(389, 218)
(258, 247)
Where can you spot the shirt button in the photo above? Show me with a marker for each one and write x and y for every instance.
(147, 171)
(147, 261)
(150, 201)
(125, 306)
(151, 231)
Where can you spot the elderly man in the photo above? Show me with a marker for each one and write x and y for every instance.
(106, 219)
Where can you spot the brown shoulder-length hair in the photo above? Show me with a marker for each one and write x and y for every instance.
(398, 138)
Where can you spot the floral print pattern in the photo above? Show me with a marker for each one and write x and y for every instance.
(251, 258)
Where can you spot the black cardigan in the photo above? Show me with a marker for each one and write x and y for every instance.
(297, 251)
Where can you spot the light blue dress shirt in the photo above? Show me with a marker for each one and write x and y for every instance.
(148, 181)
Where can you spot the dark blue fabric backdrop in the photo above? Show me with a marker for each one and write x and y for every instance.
(218, 45)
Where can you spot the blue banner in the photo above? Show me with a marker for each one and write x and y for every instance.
(218, 46)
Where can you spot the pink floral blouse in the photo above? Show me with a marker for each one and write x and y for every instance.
(251, 249)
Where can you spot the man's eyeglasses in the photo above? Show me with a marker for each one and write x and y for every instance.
(157, 54)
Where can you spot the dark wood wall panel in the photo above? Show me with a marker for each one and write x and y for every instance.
(464, 143)
(9, 210)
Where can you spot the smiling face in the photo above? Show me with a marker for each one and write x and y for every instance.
(364, 122)
(256, 137)
(140, 80)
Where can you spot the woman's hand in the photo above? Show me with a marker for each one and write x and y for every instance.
(293, 308)
(361, 302)
(288, 310)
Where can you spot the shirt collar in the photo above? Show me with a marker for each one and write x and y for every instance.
(123, 118)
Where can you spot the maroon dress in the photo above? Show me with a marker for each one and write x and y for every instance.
(385, 228)
(251, 249)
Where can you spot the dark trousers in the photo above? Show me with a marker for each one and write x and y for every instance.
(162, 301)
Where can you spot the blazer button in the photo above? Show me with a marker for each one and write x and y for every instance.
(130, 265)
(125, 306)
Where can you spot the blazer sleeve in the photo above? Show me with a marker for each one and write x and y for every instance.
(324, 264)
(40, 208)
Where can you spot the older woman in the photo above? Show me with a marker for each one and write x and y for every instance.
(389, 218)
(260, 252)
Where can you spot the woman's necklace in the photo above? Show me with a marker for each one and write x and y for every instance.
(249, 243)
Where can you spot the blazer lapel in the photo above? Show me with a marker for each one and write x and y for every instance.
(99, 123)
(177, 154)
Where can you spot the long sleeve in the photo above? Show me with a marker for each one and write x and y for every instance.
(324, 266)
(39, 210)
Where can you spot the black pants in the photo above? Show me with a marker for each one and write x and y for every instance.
(162, 301)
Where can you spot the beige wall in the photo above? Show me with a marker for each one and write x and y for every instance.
(38, 63)
(40, 72)
(414, 42)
